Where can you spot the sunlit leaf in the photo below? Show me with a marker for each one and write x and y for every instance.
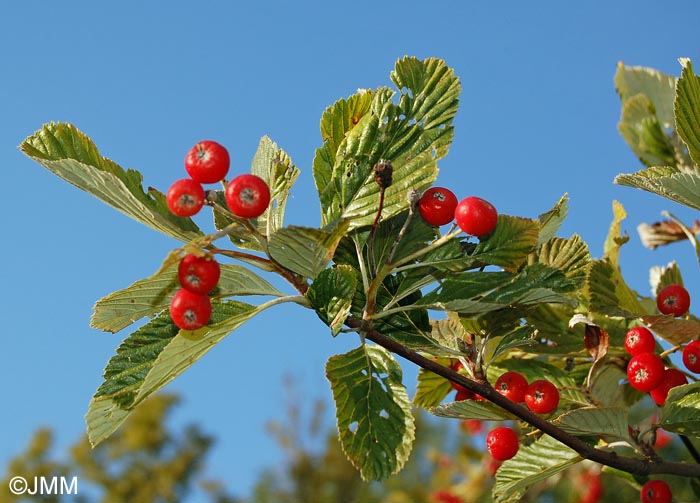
(608, 422)
(551, 220)
(375, 422)
(680, 412)
(687, 109)
(472, 409)
(534, 463)
(331, 295)
(68, 153)
(671, 183)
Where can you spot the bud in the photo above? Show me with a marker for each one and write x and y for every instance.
(383, 172)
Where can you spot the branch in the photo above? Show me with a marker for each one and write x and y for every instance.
(608, 458)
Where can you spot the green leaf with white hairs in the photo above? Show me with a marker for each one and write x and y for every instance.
(70, 154)
(413, 132)
(472, 409)
(611, 423)
(273, 165)
(532, 464)
(331, 295)
(375, 423)
(680, 412)
(687, 110)
(671, 183)
(149, 296)
(306, 250)
(153, 356)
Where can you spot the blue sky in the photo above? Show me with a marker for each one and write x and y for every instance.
(146, 80)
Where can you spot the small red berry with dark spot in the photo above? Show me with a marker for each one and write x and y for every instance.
(645, 371)
(437, 206)
(198, 274)
(207, 162)
(512, 385)
(639, 340)
(673, 299)
(185, 197)
(541, 397)
(502, 443)
(190, 311)
(247, 196)
(656, 491)
(691, 356)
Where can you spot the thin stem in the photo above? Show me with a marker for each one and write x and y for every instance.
(630, 465)
(372, 231)
(691, 448)
(432, 246)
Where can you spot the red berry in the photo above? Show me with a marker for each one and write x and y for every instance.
(247, 196)
(512, 385)
(207, 162)
(444, 496)
(541, 397)
(190, 311)
(673, 299)
(198, 274)
(645, 371)
(502, 443)
(670, 379)
(476, 216)
(437, 206)
(656, 491)
(691, 356)
(472, 426)
(639, 340)
(185, 197)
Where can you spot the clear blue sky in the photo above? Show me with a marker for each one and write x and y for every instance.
(146, 80)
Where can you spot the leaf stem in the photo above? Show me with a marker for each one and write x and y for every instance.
(432, 246)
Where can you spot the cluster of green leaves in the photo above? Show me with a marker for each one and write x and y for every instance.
(520, 298)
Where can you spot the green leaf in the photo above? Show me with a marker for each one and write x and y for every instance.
(608, 422)
(641, 129)
(658, 87)
(551, 220)
(674, 330)
(342, 116)
(533, 463)
(681, 412)
(671, 183)
(472, 409)
(375, 423)
(305, 250)
(510, 243)
(687, 109)
(609, 293)
(413, 134)
(68, 153)
(331, 295)
(273, 165)
(615, 239)
(151, 357)
(605, 387)
(149, 296)
(570, 256)
(432, 388)
(482, 292)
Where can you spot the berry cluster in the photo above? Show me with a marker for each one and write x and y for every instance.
(190, 307)
(540, 396)
(475, 216)
(247, 196)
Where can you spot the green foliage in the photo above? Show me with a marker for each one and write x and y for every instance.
(521, 298)
(374, 418)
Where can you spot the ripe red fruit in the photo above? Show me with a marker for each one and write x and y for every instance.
(185, 197)
(502, 443)
(190, 311)
(592, 488)
(639, 340)
(476, 216)
(247, 196)
(673, 299)
(645, 371)
(512, 385)
(670, 379)
(691, 356)
(437, 206)
(445, 496)
(207, 162)
(541, 397)
(198, 274)
(656, 491)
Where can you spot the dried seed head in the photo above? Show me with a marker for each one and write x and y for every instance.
(382, 173)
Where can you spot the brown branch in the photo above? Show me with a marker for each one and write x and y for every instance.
(608, 458)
